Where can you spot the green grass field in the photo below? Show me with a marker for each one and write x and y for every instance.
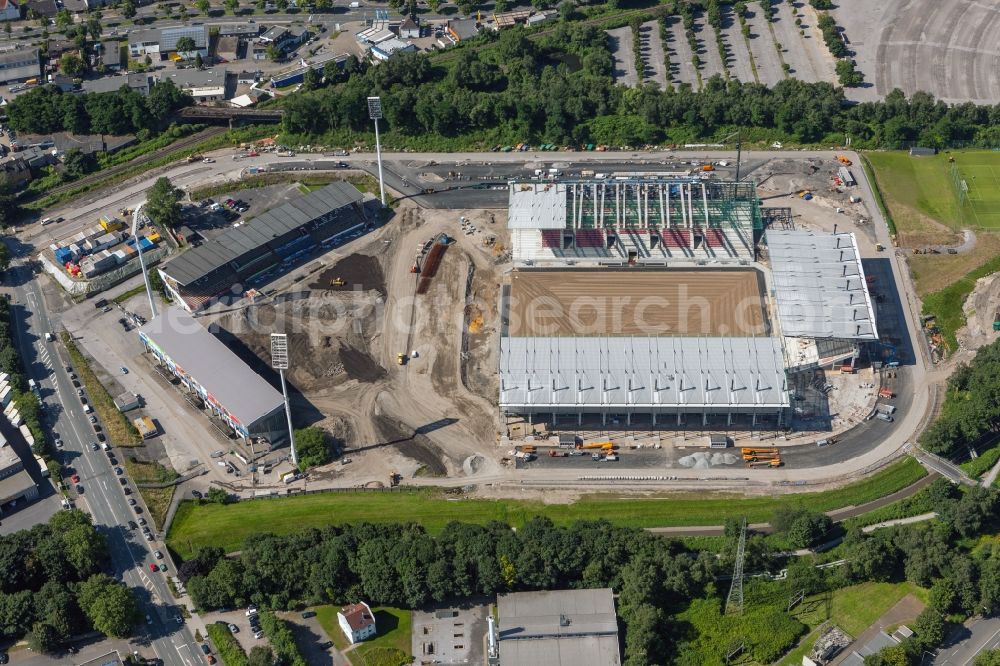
(924, 185)
(196, 525)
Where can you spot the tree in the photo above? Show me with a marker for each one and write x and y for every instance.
(282, 5)
(128, 8)
(324, 5)
(232, 6)
(273, 53)
(6, 27)
(217, 495)
(198, 62)
(185, 45)
(4, 254)
(109, 605)
(17, 613)
(260, 656)
(313, 447)
(76, 163)
(203, 6)
(64, 19)
(162, 203)
(987, 658)
(311, 79)
(43, 638)
(56, 606)
(71, 64)
(94, 26)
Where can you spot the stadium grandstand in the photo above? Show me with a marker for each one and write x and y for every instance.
(250, 254)
(232, 393)
(645, 302)
(634, 219)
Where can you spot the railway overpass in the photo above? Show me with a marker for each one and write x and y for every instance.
(228, 116)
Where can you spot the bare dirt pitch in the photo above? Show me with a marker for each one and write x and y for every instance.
(436, 413)
(636, 302)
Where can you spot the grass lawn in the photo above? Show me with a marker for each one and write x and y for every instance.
(855, 608)
(391, 645)
(946, 303)
(157, 499)
(227, 526)
(919, 191)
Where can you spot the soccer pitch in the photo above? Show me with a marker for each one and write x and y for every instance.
(932, 186)
(976, 178)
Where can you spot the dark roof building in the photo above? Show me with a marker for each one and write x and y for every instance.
(251, 253)
(461, 29)
(46, 8)
(141, 82)
(230, 388)
(111, 55)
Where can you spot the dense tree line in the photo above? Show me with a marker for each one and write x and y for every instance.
(402, 565)
(519, 89)
(51, 587)
(28, 405)
(47, 109)
(971, 411)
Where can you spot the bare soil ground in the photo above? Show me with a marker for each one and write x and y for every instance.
(430, 416)
(980, 309)
(933, 272)
(608, 302)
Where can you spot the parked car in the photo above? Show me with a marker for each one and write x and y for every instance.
(233, 628)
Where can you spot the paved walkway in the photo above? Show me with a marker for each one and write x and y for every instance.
(905, 610)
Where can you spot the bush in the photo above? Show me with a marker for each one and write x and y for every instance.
(279, 634)
(313, 446)
(229, 650)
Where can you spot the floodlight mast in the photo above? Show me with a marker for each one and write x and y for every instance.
(375, 113)
(142, 262)
(279, 361)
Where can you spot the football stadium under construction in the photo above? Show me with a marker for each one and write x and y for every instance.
(667, 302)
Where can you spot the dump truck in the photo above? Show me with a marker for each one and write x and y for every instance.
(401, 359)
(707, 167)
(996, 321)
(338, 282)
(843, 160)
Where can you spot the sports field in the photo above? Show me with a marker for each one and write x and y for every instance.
(926, 187)
(636, 302)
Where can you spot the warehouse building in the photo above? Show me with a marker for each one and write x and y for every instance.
(16, 484)
(159, 42)
(555, 628)
(253, 253)
(19, 65)
(231, 391)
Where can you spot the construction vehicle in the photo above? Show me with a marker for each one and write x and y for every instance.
(338, 282)
(606, 446)
(194, 158)
(401, 359)
(558, 454)
(753, 451)
(879, 247)
(996, 321)
(843, 160)
(707, 167)
(529, 448)
(886, 392)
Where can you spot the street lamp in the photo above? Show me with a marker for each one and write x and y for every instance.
(142, 262)
(279, 361)
(739, 149)
(375, 113)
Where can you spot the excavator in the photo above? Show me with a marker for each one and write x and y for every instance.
(338, 282)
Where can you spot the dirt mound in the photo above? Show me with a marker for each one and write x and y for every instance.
(411, 445)
(360, 365)
(358, 271)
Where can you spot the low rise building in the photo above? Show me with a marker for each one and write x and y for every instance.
(43, 8)
(16, 484)
(20, 65)
(242, 30)
(357, 622)
(284, 39)
(460, 29)
(409, 29)
(141, 82)
(9, 10)
(15, 172)
(555, 628)
(111, 56)
(205, 85)
(159, 42)
(390, 47)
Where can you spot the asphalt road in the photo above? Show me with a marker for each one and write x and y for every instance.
(103, 495)
(968, 642)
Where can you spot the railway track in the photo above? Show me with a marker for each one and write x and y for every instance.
(105, 174)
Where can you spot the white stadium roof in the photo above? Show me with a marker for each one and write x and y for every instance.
(819, 285)
(673, 373)
(537, 206)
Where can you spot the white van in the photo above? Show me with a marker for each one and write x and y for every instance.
(87, 408)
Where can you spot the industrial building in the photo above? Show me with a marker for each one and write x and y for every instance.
(254, 252)
(16, 484)
(19, 65)
(554, 628)
(162, 41)
(642, 301)
(204, 85)
(230, 391)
